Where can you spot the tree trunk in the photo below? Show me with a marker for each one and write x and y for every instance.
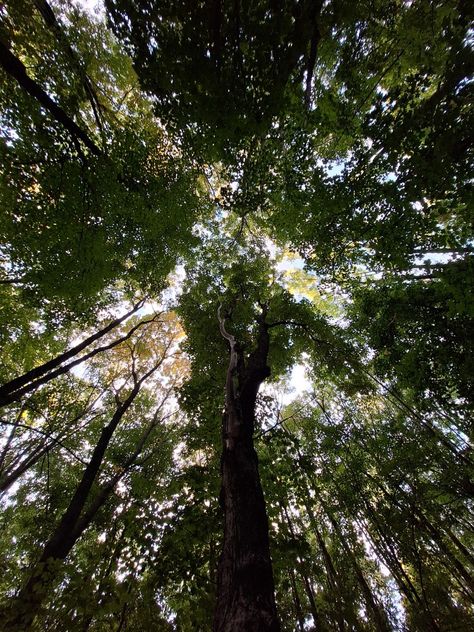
(16, 69)
(71, 526)
(10, 391)
(245, 587)
(296, 599)
(7, 480)
(50, 19)
(373, 606)
(303, 569)
(9, 440)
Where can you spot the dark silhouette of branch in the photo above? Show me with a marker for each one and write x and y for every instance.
(50, 19)
(14, 385)
(16, 69)
(46, 435)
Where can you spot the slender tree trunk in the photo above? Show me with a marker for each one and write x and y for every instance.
(333, 580)
(71, 526)
(109, 565)
(296, 599)
(379, 615)
(50, 19)
(32, 386)
(245, 587)
(13, 475)
(424, 524)
(9, 391)
(9, 440)
(384, 545)
(23, 461)
(373, 606)
(303, 570)
(311, 598)
(16, 69)
(396, 566)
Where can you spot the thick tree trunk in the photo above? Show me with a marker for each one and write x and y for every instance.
(245, 587)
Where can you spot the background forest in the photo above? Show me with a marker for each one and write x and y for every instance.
(206, 200)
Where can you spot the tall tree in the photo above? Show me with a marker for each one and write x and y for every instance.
(137, 359)
(307, 165)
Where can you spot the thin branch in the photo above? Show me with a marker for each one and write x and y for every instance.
(54, 440)
(31, 380)
(16, 281)
(16, 69)
(50, 19)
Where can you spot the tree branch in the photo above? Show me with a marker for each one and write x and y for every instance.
(16, 69)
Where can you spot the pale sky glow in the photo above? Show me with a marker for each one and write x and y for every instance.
(299, 383)
(95, 7)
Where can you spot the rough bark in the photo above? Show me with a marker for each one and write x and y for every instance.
(245, 587)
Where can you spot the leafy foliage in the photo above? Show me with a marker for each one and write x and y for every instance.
(306, 161)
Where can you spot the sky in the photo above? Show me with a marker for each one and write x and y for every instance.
(93, 6)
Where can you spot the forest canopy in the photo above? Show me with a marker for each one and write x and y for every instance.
(236, 316)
